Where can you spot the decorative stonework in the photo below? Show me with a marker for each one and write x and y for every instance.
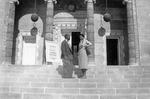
(77, 14)
(71, 7)
(70, 25)
(38, 49)
(49, 20)
(116, 33)
(55, 1)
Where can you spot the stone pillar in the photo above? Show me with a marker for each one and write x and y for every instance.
(49, 20)
(90, 28)
(8, 36)
(131, 32)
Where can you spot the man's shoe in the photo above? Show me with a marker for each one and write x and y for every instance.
(65, 77)
(72, 77)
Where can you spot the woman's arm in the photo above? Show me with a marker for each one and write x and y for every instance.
(88, 43)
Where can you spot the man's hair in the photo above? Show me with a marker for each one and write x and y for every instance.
(66, 35)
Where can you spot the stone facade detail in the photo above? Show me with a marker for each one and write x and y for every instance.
(131, 32)
(49, 20)
(136, 32)
(8, 36)
(72, 20)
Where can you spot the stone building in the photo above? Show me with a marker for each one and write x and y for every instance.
(119, 63)
(122, 43)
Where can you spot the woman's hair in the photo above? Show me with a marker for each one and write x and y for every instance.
(82, 35)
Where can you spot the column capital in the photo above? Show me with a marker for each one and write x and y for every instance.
(55, 1)
(94, 1)
(14, 1)
(127, 1)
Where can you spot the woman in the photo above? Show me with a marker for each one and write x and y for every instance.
(82, 56)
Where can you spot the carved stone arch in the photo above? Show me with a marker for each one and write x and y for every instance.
(67, 3)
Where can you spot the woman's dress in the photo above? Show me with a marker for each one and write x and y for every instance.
(82, 56)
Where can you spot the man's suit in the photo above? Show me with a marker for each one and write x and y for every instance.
(67, 59)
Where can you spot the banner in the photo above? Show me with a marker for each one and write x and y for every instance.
(52, 52)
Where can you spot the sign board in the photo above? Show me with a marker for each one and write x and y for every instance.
(52, 52)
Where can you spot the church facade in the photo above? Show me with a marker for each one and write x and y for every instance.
(123, 40)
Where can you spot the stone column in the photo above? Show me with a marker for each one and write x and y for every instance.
(8, 36)
(49, 20)
(90, 28)
(131, 32)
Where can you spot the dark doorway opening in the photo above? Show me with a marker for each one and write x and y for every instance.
(75, 46)
(75, 41)
(112, 51)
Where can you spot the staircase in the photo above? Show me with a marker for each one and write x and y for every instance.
(45, 82)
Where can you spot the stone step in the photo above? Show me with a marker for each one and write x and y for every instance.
(46, 68)
(91, 71)
(73, 83)
(46, 82)
(71, 96)
(52, 72)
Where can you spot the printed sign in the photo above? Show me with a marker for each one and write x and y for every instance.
(52, 52)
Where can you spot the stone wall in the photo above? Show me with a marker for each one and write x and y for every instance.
(143, 15)
(2, 29)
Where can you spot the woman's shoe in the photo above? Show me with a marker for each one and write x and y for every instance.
(83, 77)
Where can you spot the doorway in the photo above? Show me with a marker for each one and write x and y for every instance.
(75, 41)
(29, 50)
(112, 51)
(75, 46)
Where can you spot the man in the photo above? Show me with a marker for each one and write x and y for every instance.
(67, 58)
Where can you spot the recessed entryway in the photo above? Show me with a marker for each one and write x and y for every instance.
(75, 41)
(112, 51)
(75, 46)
